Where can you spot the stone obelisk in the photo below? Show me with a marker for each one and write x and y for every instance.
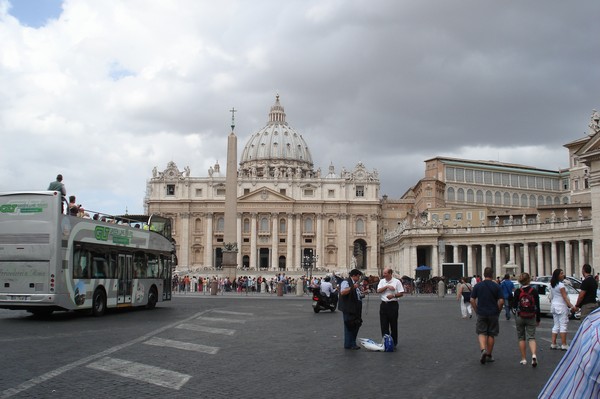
(230, 244)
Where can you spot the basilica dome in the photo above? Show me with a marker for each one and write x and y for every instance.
(277, 149)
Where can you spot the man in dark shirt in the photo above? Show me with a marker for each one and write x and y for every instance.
(487, 301)
(587, 292)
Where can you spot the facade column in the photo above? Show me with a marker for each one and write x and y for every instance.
(526, 267)
(298, 240)
(498, 261)
(406, 262)
(253, 233)
(239, 239)
(343, 247)
(469, 271)
(289, 256)
(553, 255)
(540, 259)
(208, 253)
(454, 254)
(413, 257)
(321, 259)
(511, 249)
(184, 245)
(373, 264)
(568, 262)
(274, 242)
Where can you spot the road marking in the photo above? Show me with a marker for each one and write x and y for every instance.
(232, 312)
(141, 372)
(211, 350)
(212, 330)
(220, 319)
(56, 372)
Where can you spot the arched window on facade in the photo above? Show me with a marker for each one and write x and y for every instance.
(360, 226)
(524, 201)
(198, 225)
(515, 199)
(450, 194)
(460, 195)
(246, 225)
(264, 224)
(541, 200)
(282, 224)
(308, 225)
(220, 224)
(506, 199)
(497, 198)
(532, 201)
(479, 197)
(489, 199)
(331, 226)
(470, 196)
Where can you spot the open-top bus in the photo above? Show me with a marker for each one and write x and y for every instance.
(53, 261)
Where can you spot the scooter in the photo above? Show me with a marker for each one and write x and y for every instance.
(321, 302)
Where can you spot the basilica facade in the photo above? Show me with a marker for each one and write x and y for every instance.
(291, 216)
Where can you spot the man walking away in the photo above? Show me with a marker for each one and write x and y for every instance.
(587, 292)
(487, 302)
(391, 289)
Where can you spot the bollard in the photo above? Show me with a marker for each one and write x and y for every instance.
(280, 288)
(300, 287)
(441, 289)
(214, 286)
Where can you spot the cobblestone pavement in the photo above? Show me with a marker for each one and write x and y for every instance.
(258, 346)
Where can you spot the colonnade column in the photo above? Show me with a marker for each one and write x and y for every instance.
(455, 253)
(184, 245)
(540, 259)
(253, 249)
(469, 270)
(413, 257)
(372, 237)
(511, 249)
(581, 254)
(553, 255)
(274, 241)
(435, 260)
(208, 253)
(568, 262)
(289, 256)
(484, 257)
(498, 261)
(526, 258)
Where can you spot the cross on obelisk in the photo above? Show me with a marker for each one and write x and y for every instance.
(233, 111)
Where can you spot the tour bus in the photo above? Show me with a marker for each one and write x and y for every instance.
(51, 261)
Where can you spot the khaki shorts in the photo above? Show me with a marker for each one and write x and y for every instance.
(526, 328)
(487, 325)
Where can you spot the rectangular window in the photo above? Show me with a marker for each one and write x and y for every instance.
(505, 179)
(331, 193)
(497, 180)
(221, 192)
(309, 192)
(198, 192)
(246, 191)
(514, 180)
(487, 177)
(282, 191)
(170, 189)
(523, 181)
(479, 176)
(450, 174)
(469, 175)
(360, 191)
(446, 216)
(460, 174)
(469, 215)
(458, 215)
(481, 215)
(282, 240)
(434, 216)
(246, 240)
(530, 181)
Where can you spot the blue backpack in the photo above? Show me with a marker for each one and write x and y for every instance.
(388, 343)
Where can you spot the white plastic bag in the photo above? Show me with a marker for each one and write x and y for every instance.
(371, 345)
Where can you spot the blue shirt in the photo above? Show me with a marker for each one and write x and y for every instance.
(507, 288)
(345, 285)
(577, 376)
(487, 294)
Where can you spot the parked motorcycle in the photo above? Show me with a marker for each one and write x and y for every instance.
(321, 302)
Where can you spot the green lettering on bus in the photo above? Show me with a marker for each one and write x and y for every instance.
(101, 233)
(8, 208)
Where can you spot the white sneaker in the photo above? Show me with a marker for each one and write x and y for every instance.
(553, 346)
(564, 347)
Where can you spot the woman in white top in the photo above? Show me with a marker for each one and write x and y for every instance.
(560, 308)
(465, 304)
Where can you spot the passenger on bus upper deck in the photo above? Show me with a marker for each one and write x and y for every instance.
(73, 207)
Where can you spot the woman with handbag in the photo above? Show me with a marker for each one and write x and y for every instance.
(463, 295)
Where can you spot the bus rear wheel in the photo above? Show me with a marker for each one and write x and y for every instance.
(152, 298)
(98, 303)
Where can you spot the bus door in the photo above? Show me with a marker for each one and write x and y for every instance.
(125, 275)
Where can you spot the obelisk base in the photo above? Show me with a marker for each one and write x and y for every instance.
(230, 265)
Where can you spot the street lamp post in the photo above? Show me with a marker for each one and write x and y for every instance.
(308, 262)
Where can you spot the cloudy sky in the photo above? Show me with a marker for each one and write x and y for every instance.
(103, 91)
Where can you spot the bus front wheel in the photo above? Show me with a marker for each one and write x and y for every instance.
(152, 298)
(98, 303)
